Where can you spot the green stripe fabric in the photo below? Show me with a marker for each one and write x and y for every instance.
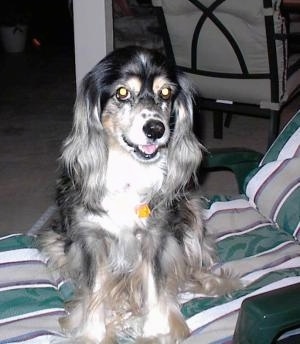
(15, 242)
(285, 146)
(200, 304)
(251, 243)
(274, 187)
(205, 323)
(252, 246)
(287, 214)
(284, 139)
(28, 300)
(20, 303)
(274, 181)
(31, 297)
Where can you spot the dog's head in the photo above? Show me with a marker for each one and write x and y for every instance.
(136, 115)
(134, 100)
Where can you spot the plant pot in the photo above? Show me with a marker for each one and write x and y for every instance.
(13, 38)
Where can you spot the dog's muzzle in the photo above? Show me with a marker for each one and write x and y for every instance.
(153, 130)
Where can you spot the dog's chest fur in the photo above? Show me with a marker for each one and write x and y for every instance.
(129, 184)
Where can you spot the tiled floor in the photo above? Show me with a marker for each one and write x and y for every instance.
(36, 99)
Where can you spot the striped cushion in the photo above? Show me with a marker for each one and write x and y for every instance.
(250, 245)
(31, 298)
(286, 144)
(274, 188)
(254, 238)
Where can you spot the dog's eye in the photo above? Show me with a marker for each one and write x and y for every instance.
(122, 93)
(165, 93)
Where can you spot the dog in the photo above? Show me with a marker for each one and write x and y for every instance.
(130, 233)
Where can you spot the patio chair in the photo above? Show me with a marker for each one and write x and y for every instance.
(257, 237)
(236, 53)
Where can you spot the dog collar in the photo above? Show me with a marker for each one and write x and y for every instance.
(143, 211)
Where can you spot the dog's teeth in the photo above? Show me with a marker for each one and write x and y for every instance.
(148, 149)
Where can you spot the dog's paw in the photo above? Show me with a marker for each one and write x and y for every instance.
(72, 340)
(77, 340)
(162, 339)
(164, 327)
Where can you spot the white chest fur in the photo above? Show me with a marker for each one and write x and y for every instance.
(129, 184)
(124, 172)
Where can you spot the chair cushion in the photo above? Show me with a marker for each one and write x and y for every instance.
(274, 187)
(248, 244)
(31, 297)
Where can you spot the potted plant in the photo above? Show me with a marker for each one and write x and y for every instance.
(14, 19)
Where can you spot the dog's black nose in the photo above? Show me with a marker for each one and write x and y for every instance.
(154, 129)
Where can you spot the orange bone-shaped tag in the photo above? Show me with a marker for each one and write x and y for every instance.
(143, 211)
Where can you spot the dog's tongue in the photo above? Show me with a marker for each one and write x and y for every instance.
(148, 149)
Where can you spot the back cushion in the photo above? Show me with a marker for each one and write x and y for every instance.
(274, 187)
(201, 31)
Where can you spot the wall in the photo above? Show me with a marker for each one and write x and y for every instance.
(93, 33)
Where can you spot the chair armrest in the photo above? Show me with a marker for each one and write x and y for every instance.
(238, 160)
(265, 317)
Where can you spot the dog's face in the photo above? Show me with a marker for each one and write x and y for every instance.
(138, 89)
(137, 115)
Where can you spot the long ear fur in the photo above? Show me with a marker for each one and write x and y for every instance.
(185, 151)
(84, 156)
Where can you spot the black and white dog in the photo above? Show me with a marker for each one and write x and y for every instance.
(131, 235)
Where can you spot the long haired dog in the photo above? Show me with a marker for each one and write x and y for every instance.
(131, 236)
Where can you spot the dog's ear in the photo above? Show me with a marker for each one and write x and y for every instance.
(84, 155)
(185, 151)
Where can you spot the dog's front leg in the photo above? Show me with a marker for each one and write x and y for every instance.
(164, 323)
(157, 320)
(86, 321)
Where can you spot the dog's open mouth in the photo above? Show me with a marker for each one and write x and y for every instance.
(147, 152)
